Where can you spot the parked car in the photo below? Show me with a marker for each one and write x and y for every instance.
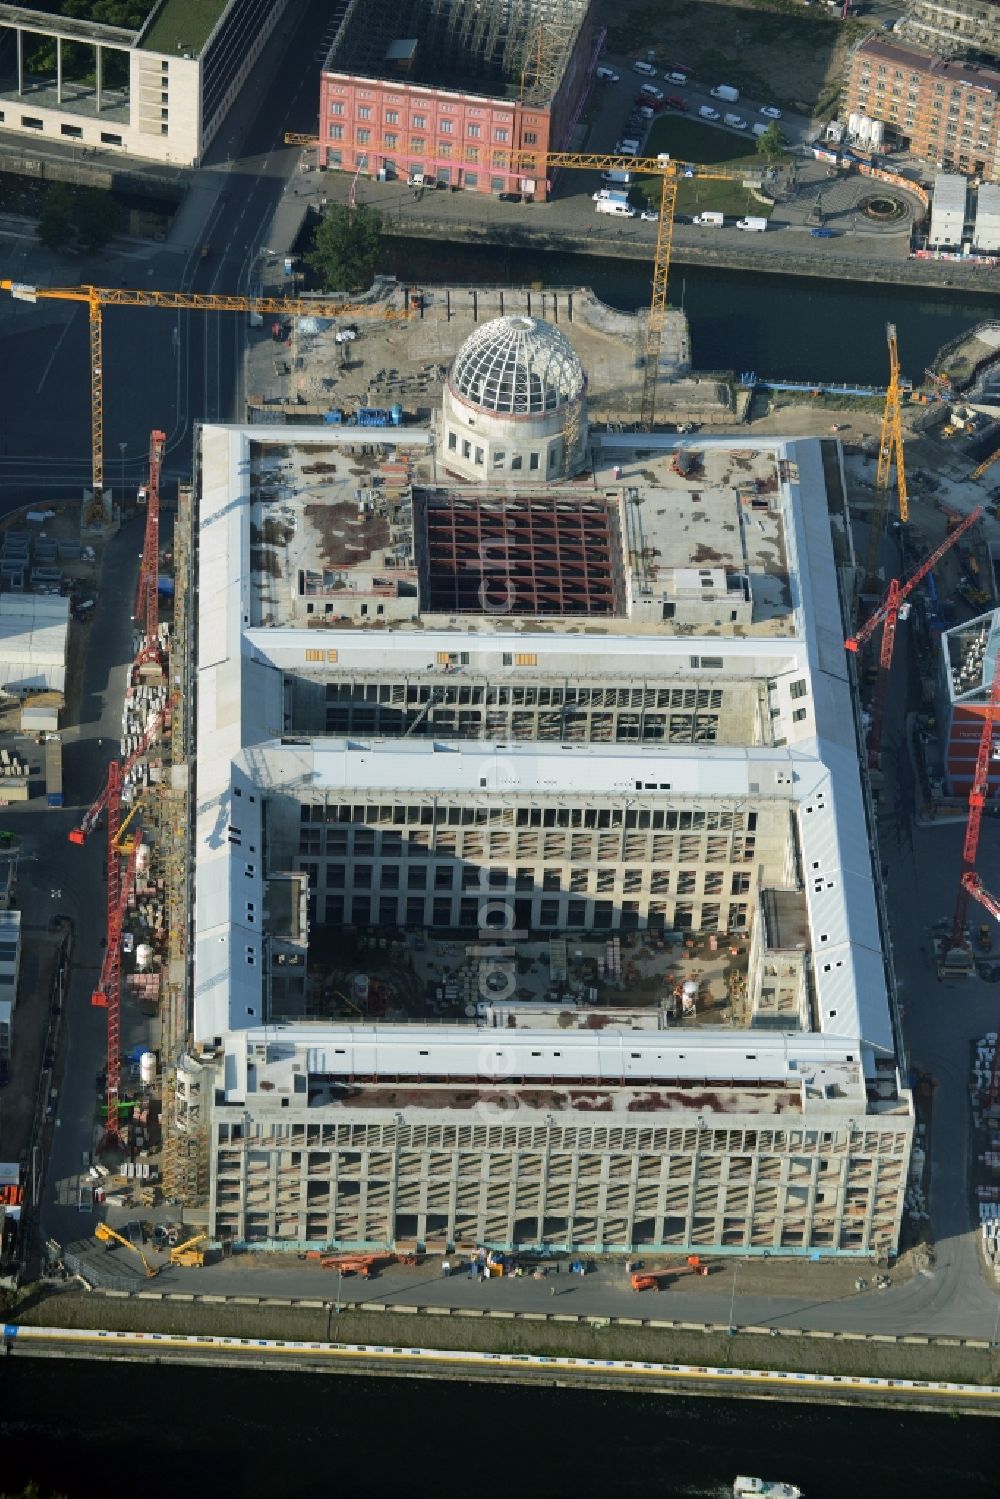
(607, 75)
(823, 233)
(651, 92)
(675, 77)
(649, 216)
(646, 112)
(770, 111)
(673, 102)
(706, 112)
(511, 197)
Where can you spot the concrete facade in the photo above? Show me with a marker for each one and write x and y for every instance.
(647, 746)
(145, 101)
(382, 1166)
(946, 112)
(955, 28)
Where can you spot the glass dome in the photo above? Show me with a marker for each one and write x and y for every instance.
(517, 366)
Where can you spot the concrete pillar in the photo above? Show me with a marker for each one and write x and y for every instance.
(99, 74)
(20, 61)
(59, 75)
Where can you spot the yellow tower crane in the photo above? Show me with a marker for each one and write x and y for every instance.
(890, 450)
(97, 298)
(980, 469)
(669, 172)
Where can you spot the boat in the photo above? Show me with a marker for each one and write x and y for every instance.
(764, 1488)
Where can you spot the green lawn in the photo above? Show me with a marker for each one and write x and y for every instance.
(183, 26)
(689, 140)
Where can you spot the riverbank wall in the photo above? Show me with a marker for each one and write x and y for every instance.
(952, 275)
(756, 1362)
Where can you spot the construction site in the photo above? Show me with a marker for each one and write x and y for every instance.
(519, 49)
(599, 792)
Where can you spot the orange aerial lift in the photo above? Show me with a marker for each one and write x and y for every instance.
(658, 1280)
(957, 960)
(892, 609)
(146, 598)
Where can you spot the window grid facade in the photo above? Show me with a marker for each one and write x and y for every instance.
(572, 1186)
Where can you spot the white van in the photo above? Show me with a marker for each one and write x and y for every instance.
(755, 226)
(617, 179)
(675, 77)
(735, 122)
(612, 206)
(607, 75)
(706, 112)
(645, 68)
(713, 220)
(605, 195)
(627, 147)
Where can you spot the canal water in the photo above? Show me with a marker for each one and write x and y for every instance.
(778, 326)
(78, 1429)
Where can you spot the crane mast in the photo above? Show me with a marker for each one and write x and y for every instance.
(890, 450)
(146, 606)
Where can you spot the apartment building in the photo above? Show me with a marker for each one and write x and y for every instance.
(947, 112)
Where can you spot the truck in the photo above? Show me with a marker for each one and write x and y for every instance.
(755, 226)
(712, 220)
(725, 91)
(616, 206)
(53, 771)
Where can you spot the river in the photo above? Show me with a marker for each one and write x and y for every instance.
(775, 325)
(85, 1428)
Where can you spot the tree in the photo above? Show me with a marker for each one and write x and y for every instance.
(772, 143)
(96, 215)
(55, 226)
(346, 247)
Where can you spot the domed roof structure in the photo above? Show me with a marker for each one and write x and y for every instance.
(517, 366)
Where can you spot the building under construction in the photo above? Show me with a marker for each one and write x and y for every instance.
(533, 890)
(446, 90)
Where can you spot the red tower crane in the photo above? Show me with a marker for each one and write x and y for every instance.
(109, 796)
(146, 593)
(107, 996)
(970, 885)
(887, 615)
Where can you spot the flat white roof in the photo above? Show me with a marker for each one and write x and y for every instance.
(240, 727)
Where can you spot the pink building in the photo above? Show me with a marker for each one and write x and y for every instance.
(416, 87)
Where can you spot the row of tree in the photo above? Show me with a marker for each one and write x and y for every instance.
(84, 216)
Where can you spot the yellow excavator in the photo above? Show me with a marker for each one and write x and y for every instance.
(188, 1253)
(110, 1236)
